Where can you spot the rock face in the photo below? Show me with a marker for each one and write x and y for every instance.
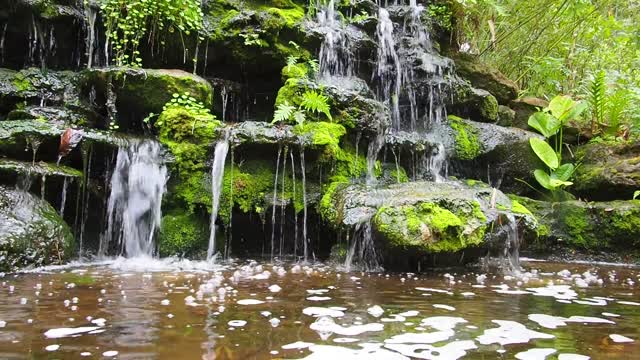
(425, 217)
(487, 78)
(31, 232)
(524, 108)
(608, 171)
(612, 226)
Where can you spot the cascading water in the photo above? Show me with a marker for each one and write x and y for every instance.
(362, 251)
(336, 51)
(511, 253)
(138, 183)
(217, 173)
(389, 69)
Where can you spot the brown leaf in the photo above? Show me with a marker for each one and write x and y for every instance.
(69, 140)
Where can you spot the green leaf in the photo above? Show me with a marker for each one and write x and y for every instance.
(299, 117)
(543, 179)
(283, 112)
(316, 102)
(564, 108)
(546, 124)
(564, 172)
(544, 152)
(636, 194)
(555, 183)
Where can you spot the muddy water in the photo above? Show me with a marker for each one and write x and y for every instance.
(141, 309)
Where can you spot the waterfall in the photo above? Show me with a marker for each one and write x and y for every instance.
(336, 58)
(436, 162)
(304, 203)
(275, 200)
(90, 15)
(372, 155)
(217, 173)
(362, 252)
(511, 254)
(63, 199)
(138, 183)
(389, 68)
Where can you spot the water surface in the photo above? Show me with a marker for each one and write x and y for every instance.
(140, 309)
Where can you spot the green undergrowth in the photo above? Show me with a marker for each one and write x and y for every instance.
(432, 227)
(183, 234)
(250, 186)
(188, 134)
(467, 144)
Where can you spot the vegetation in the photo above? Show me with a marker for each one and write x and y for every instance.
(550, 123)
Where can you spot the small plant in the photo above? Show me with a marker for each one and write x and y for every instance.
(636, 194)
(183, 101)
(597, 97)
(359, 18)
(312, 102)
(550, 123)
(252, 38)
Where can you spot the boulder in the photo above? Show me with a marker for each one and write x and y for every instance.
(476, 104)
(144, 91)
(485, 77)
(424, 217)
(605, 228)
(31, 232)
(506, 116)
(608, 171)
(524, 108)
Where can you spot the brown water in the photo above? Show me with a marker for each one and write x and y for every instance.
(138, 313)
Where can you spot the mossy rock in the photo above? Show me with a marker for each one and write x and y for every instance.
(32, 232)
(32, 85)
(612, 226)
(485, 77)
(467, 145)
(145, 91)
(39, 168)
(524, 108)
(431, 227)
(425, 217)
(608, 170)
(183, 234)
(188, 135)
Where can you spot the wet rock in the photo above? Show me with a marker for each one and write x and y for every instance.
(506, 116)
(37, 88)
(581, 226)
(145, 91)
(484, 77)
(31, 232)
(524, 108)
(183, 235)
(57, 115)
(427, 217)
(608, 171)
(39, 168)
(476, 104)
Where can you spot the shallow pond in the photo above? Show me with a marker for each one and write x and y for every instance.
(140, 309)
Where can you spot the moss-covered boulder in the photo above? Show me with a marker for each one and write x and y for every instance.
(608, 171)
(476, 104)
(31, 232)
(424, 217)
(33, 86)
(145, 91)
(524, 108)
(183, 234)
(484, 77)
(593, 228)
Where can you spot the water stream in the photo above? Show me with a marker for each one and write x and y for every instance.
(170, 309)
(138, 183)
(217, 174)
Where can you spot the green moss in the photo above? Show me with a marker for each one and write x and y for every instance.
(188, 136)
(518, 208)
(277, 18)
(290, 92)
(21, 83)
(488, 108)
(400, 175)
(467, 144)
(577, 225)
(250, 187)
(294, 71)
(183, 234)
(432, 227)
(322, 134)
(328, 207)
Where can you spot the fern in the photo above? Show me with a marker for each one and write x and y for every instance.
(316, 102)
(299, 116)
(283, 112)
(597, 100)
(292, 60)
(313, 64)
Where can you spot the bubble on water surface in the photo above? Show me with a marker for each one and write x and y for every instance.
(110, 353)
(320, 311)
(66, 332)
(52, 347)
(573, 357)
(444, 307)
(237, 323)
(250, 302)
(510, 332)
(535, 354)
(620, 338)
(451, 351)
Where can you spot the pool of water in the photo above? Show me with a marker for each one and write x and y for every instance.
(142, 308)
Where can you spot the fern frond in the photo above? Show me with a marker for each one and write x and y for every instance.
(283, 112)
(597, 98)
(291, 61)
(299, 117)
(316, 102)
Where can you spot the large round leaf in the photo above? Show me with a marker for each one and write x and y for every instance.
(544, 152)
(564, 172)
(543, 179)
(546, 124)
(564, 108)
